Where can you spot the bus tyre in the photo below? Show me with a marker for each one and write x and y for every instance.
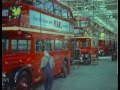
(90, 59)
(23, 82)
(64, 69)
(112, 59)
(87, 62)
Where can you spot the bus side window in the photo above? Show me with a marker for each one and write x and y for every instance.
(65, 44)
(61, 44)
(84, 44)
(88, 43)
(57, 45)
(21, 45)
(49, 45)
(39, 45)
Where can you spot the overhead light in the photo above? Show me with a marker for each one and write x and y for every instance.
(85, 7)
(111, 16)
(102, 6)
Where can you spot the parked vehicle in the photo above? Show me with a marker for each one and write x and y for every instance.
(84, 41)
(28, 28)
(87, 51)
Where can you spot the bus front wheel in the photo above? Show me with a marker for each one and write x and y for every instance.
(23, 82)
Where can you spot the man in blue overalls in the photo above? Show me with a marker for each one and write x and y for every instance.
(47, 65)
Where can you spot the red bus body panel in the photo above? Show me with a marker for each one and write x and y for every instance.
(12, 60)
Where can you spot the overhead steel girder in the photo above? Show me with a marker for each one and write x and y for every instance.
(93, 5)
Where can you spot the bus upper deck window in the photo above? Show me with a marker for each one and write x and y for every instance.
(4, 11)
(64, 13)
(39, 4)
(57, 9)
(70, 15)
(49, 7)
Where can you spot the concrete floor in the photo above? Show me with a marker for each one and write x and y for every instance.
(92, 77)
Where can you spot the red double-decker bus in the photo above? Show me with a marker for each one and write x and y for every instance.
(106, 43)
(28, 28)
(102, 42)
(84, 40)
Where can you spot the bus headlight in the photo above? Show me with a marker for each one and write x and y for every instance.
(4, 78)
(5, 82)
(4, 74)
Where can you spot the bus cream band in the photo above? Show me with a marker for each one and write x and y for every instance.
(36, 30)
(38, 19)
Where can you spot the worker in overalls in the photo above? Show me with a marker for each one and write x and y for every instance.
(47, 65)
